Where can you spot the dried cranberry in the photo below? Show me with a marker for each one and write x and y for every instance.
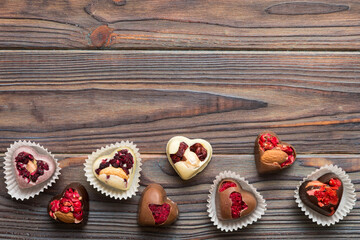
(238, 204)
(180, 153)
(122, 159)
(199, 150)
(22, 159)
(160, 212)
(225, 185)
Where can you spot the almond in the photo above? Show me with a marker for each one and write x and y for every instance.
(274, 156)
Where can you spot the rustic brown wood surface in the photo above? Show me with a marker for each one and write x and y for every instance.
(163, 24)
(76, 75)
(74, 102)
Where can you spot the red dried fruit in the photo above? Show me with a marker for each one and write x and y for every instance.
(178, 156)
(199, 150)
(238, 204)
(78, 215)
(327, 194)
(77, 204)
(22, 159)
(55, 205)
(70, 202)
(160, 212)
(122, 159)
(65, 209)
(225, 185)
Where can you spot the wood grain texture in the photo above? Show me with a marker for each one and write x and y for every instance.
(110, 218)
(163, 24)
(78, 101)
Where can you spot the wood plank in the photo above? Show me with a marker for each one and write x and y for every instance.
(114, 218)
(162, 24)
(78, 101)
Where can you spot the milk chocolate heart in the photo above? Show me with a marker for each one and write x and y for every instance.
(232, 201)
(188, 157)
(322, 195)
(155, 209)
(71, 206)
(271, 154)
(116, 169)
(31, 167)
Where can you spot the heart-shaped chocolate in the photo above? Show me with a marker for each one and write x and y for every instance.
(233, 202)
(322, 195)
(116, 169)
(31, 167)
(188, 157)
(271, 154)
(70, 206)
(155, 209)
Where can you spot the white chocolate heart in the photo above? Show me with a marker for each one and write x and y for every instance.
(192, 165)
(115, 177)
(31, 167)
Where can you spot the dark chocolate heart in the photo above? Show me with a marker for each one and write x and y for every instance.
(71, 206)
(322, 195)
(232, 201)
(271, 154)
(155, 209)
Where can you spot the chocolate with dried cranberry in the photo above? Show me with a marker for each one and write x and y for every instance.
(116, 169)
(271, 154)
(233, 202)
(322, 195)
(32, 167)
(188, 157)
(155, 208)
(71, 206)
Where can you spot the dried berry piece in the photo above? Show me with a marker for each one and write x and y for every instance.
(160, 212)
(71, 206)
(225, 185)
(238, 205)
(29, 168)
(199, 150)
(322, 195)
(122, 159)
(178, 156)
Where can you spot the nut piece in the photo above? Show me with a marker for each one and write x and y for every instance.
(64, 217)
(274, 156)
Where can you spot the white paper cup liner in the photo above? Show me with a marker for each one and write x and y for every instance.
(10, 172)
(104, 188)
(347, 201)
(232, 225)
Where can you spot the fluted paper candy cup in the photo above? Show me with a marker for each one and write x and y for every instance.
(235, 224)
(347, 201)
(13, 186)
(106, 188)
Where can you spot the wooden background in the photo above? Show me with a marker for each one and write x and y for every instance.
(76, 75)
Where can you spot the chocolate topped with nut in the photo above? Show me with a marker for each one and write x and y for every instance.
(271, 154)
